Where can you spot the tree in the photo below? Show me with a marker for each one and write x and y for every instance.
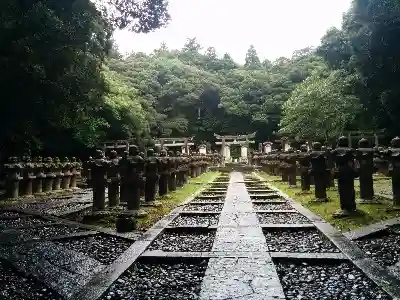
(321, 107)
(51, 57)
(136, 15)
(252, 60)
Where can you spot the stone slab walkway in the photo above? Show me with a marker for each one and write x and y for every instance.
(239, 234)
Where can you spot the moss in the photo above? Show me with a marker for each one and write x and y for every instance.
(366, 213)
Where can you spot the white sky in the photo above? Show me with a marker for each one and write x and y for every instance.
(275, 27)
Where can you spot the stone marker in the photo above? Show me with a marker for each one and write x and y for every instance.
(50, 175)
(151, 173)
(318, 171)
(113, 179)
(57, 167)
(365, 158)
(394, 158)
(344, 160)
(172, 172)
(66, 170)
(164, 173)
(304, 161)
(99, 168)
(13, 170)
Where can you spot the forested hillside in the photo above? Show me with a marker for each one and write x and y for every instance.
(66, 88)
(191, 91)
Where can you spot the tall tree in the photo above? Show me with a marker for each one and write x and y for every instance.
(252, 60)
(321, 107)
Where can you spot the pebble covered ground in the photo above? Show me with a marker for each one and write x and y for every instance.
(196, 220)
(104, 248)
(207, 200)
(45, 232)
(282, 218)
(324, 281)
(298, 240)
(6, 214)
(272, 206)
(15, 286)
(204, 207)
(213, 194)
(159, 281)
(182, 241)
(383, 248)
(22, 222)
(266, 197)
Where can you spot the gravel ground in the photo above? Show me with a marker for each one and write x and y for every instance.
(210, 200)
(214, 194)
(282, 218)
(384, 248)
(46, 232)
(67, 207)
(7, 214)
(204, 207)
(260, 192)
(159, 281)
(15, 286)
(22, 221)
(263, 197)
(196, 220)
(299, 240)
(219, 185)
(271, 206)
(104, 248)
(170, 241)
(341, 281)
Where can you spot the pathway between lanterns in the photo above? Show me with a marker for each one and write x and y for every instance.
(238, 239)
(266, 249)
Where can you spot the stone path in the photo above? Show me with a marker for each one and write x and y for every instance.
(245, 269)
(236, 240)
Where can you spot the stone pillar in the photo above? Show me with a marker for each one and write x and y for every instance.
(13, 170)
(172, 172)
(243, 152)
(99, 181)
(343, 157)
(223, 152)
(113, 180)
(164, 173)
(304, 161)
(394, 158)
(28, 177)
(66, 180)
(58, 174)
(135, 174)
(365, 159)
(49, 171)
(151, 173)
(40, 176)
(227, 153)
(203, 149)
(318, 171)
(75, 170)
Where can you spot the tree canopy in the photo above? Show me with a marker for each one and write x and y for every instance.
(66, 87)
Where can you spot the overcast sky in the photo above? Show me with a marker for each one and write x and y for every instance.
(275, 27)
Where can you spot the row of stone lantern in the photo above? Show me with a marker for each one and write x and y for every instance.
(27, 177)
(133, 175)
(322, 165)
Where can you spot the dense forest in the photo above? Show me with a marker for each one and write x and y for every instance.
(66, 87)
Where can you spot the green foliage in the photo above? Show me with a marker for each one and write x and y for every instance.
(191, 93)
(367, 45)
(55, 93)
(321, 107)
